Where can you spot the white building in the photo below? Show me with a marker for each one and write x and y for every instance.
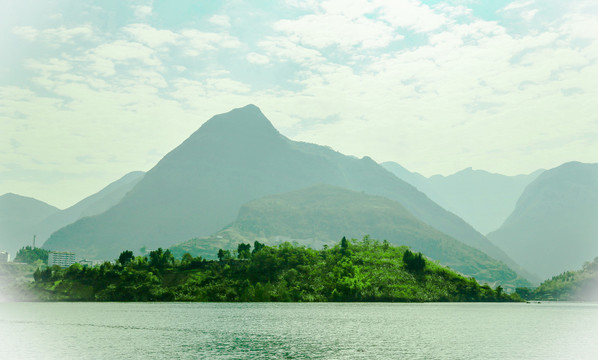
(4, 257)
(89, 263)
(62, 259)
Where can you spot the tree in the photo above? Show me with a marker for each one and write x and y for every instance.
(187, 258)
(244, 251)
(30, 255)
(345, 251)
(37, 275)
(414, 262)
(160, 258)
(224, 255)
(125, 257)
(257, 246)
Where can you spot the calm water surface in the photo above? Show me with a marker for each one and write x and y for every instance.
(298, 331)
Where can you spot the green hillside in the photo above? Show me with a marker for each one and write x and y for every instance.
(319, 215)
(580, 285)
(350, 271)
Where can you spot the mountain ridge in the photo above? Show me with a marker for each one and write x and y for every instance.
(233, 158)
(553, 227)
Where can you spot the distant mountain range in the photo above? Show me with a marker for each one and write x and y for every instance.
(554, 226)
(198, 188)
(322, 214)
(237, 178)
(21, 218)
(18, 217)
(481, 198)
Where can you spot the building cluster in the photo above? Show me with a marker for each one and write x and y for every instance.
(65, 259)
(4, 257)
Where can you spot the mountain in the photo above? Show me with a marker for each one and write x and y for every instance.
(322, 214)
(91, 205)
(18, 217)
(199, 187)
(481, 198)
(554, 225)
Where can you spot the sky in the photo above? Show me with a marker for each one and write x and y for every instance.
(91, 90)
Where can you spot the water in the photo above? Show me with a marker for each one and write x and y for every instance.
(298, 331)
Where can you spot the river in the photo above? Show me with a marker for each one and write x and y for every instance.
(298, 331)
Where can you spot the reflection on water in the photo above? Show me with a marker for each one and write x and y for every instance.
(298, 331)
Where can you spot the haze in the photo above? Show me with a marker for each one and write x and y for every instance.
(90, 91)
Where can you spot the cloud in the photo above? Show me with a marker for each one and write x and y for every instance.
(151, 36)
(142, 11)
(325, 30)
(58, 35)
(410, 14)
(198, 42)
(286, 50)
(26, 32)
(220, 20)
(519, 4)
(256, 58)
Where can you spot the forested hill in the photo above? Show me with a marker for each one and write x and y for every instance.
(580, 285)
(320, 214)
(350, 271)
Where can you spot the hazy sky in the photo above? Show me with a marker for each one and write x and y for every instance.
(90, 90)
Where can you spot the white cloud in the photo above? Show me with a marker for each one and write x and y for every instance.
(519, 4)
(49, 66)
(220, 20)
(199, 41)
(256, 58)
(284, 50)
(26, 32)
(151, 36)
(411, 14)
(142, 11)
(121, 50)
(324, 30)
(60, 34)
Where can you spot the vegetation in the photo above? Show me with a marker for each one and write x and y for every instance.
(366, 270)
(31, 255)
(581, 285)
(315, 216)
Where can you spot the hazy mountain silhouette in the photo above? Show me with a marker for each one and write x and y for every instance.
(91, 205)
(233, 158)
(481, 198)
(554, 226)
(18, 217)
(22, 217)
(322, 214)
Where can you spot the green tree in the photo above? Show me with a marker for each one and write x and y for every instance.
(244, 251)
(30, 255)
(224, 255)
(160, 259)
(414, 262)
(257, 246)
(187, 259)
(125, 257)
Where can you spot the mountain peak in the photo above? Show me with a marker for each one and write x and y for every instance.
(248, 120)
